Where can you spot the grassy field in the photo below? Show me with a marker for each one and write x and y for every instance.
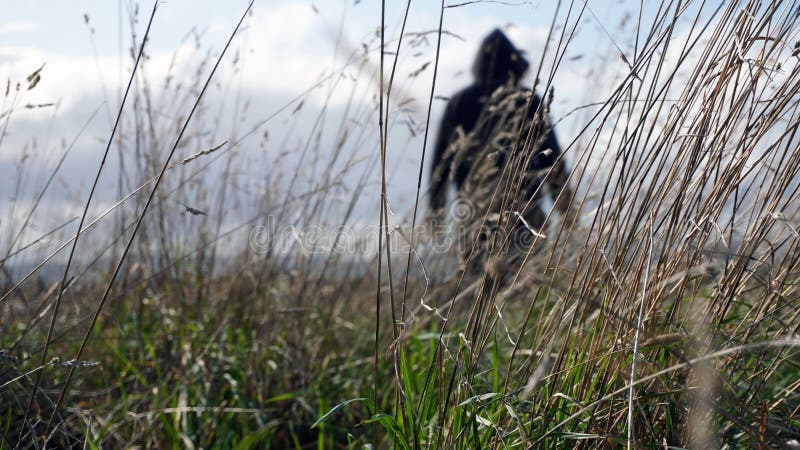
(207, 309)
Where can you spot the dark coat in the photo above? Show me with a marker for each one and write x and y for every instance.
(497, 70)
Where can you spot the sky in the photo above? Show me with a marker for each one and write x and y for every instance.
(85, 44)
(284, 48)
(84, 47)
(293, 106)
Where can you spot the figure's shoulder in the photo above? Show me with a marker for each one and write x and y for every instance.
(467, 97)
(523, 95)
(468, 93)
(526, 91)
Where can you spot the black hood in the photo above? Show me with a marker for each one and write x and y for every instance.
(498, 60)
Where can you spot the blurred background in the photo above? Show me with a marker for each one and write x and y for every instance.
(298, 77)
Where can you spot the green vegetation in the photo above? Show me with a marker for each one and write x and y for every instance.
(662, 314)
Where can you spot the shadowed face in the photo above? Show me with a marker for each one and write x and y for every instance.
(498, 60)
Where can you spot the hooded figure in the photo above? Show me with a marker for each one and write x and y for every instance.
(492, 127)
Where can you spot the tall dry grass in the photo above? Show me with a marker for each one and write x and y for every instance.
(662, 312)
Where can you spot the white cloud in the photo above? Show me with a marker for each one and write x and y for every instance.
(284, 49)
(18, 26)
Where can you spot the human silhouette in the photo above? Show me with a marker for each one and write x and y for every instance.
(496, 145)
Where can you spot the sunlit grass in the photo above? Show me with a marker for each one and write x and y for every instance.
(662, 314)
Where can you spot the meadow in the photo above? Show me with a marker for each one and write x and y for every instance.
(265, 288)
